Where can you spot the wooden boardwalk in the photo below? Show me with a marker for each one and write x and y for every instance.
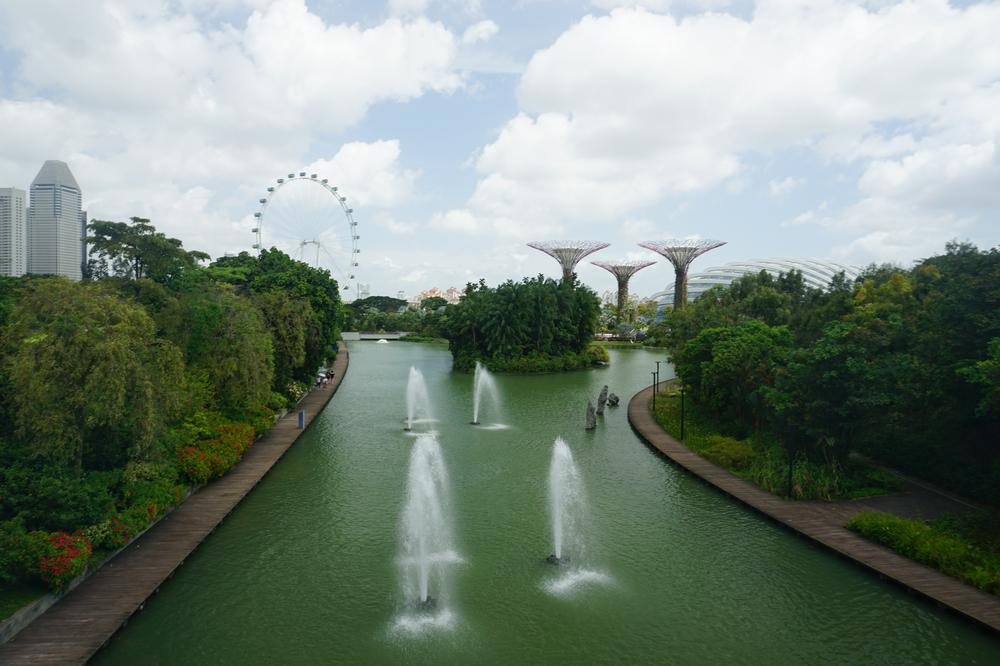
(75, 628)
(823, 522)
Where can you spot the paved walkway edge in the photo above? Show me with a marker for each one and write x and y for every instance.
(75, 628)
(825, 528)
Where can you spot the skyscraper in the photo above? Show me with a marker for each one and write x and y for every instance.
(55, 242)
(13, 232)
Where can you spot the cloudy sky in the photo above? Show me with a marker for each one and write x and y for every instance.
(460, 129)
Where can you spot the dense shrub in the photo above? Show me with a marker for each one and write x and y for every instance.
(61, 557)
(934, 544)
(215, 455)
(728, 452)
(48, 500)
(14, 551)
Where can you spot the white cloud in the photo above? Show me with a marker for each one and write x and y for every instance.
(163, 112)
(483, 31)
(627, 109)
(781, 187)
(368, 173)
(461, 221)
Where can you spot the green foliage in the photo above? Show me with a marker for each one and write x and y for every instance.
(537, 318)
(154, 365)
(219, 445)
(433, 303)
(944, 544)
(45, 499)
(275, 271)
(229, 340)
(15, 552)
(729, 369)
(728, 452)
(136, 250)
(59, 557)
(85, 368)
(986, 373)
(762, 459)
(385, 304)
(422, 338)
(902, 366)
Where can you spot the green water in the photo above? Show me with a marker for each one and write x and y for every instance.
(304, 571)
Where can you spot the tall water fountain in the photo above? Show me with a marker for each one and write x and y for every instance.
(483, 384)
(567, 505)
(426, 543)
(418, 404)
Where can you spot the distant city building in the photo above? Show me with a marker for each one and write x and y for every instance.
(364, 290)
(56, 223)
(13, 232)
(451, 294)
(815, 273)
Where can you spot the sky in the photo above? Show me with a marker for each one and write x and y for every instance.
(459, 130)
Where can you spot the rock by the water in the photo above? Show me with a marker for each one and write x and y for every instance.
(591, 416)
(613, 400)
(552, 559)
(602, 400)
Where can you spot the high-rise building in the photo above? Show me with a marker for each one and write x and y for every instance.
(13, 232)
(55, 219)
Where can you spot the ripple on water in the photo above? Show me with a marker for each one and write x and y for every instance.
(567, 584)
(418, 623)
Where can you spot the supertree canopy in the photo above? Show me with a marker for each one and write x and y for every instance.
(568, 253)
(623, 271)
(681, 252)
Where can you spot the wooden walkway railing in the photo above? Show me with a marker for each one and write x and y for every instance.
(78, 625)
(820, 521)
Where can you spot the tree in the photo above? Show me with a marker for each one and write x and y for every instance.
(230, 344)
(135, 250)
(433, 303)
(85, 368)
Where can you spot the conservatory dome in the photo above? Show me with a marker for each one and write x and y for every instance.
(816, 273)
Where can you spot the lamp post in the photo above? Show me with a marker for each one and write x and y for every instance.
(682, 412)
(656, 389)
(653, 372)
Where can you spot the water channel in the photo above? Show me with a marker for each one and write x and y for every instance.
(306, 569)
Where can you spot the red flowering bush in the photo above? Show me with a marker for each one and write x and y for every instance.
(126, 524)
(61, 556)
(214, 456)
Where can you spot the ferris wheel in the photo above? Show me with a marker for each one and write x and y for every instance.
(303, 214)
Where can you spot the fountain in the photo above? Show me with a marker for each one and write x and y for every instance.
(418, 404)
(426, 546)
(483, 382)
(566, 505)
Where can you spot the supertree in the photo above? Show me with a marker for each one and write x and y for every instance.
(681, 252)
(568, 253)
(623, 271)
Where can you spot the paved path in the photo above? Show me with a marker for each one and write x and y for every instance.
(822, 522)
(75, 628)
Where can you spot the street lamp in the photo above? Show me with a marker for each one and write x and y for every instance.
(653, 372)
(657, 388)
(682, 412)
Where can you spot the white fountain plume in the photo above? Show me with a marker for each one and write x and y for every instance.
(426, 549)
(570, 524)
(567, 505)
(484, 384)
(418, 404)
